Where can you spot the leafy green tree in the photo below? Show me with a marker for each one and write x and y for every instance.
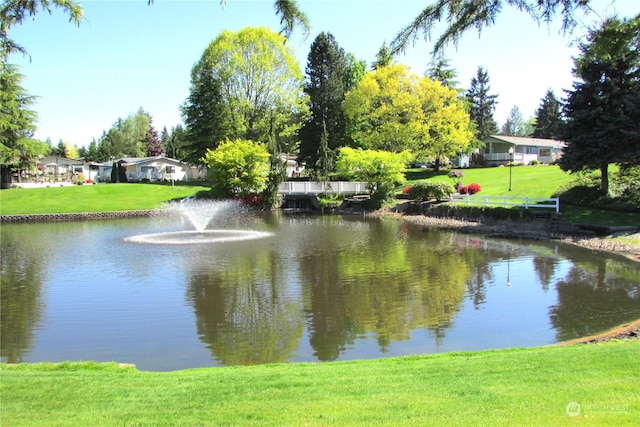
(381, 170)
(603, 109)
(261, 83)
(241, 167)
(126, 138)
(482, 104)
(394, 110)
(464, 15)
(515, 124)
(357, 69)
(328, 79)
(548, 120)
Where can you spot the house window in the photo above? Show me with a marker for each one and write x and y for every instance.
(545, 152)
(147, 171)
(531, 150)
(78, 169)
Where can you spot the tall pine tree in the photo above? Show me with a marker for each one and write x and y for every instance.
(205, 115)
(329, 76)
(549, 123)
(603, 110)
(482, 105)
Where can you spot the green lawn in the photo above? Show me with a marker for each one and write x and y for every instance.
(526, 181)
(503, 387)
(92, 198)
(539, 181)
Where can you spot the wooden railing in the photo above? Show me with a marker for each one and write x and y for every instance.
(506, 202)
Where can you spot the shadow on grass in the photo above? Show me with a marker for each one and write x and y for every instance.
(593, 216)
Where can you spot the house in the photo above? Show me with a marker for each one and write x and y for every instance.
(293, 167)
(525, 150)
(158, 168)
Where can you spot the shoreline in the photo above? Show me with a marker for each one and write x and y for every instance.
(535, 230)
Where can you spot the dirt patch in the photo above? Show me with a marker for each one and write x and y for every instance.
(630, 331)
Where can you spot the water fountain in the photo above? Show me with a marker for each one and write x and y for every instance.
(199, 214)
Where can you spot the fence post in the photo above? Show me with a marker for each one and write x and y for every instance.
(505, 201)
(526, 203)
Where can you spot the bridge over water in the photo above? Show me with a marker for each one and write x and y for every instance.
(314, 187)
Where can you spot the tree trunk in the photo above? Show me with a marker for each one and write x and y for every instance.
(604, 177)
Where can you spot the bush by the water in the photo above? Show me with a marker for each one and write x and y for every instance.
(623, 195)
(426, 190)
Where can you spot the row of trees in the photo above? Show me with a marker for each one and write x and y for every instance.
(247, 86)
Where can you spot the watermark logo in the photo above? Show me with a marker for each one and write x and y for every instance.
(573, 409)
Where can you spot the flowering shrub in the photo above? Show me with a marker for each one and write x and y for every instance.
(406, 189)
(472, 188)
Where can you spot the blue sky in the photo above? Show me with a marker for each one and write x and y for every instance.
(126, 55)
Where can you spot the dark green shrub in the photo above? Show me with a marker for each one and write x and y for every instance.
(426, 190)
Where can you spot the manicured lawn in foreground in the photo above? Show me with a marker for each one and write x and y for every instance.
(92, 198)
(502, 387)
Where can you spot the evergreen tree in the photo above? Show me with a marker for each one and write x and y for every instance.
(482, 105)
(440, 70)
(329, 75)
(515, 125)
(205, 115)
(384, 57)
(18, 149)
(152, 141)
(603, 110)
(548, 119)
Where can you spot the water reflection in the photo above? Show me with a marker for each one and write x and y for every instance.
(21, 275)
(319, 289)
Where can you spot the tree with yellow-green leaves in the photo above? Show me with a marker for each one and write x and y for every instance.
(395, 110)
(241, 167)
(381, 170)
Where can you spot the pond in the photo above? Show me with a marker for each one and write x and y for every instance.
(305, 288)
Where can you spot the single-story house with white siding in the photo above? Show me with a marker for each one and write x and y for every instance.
(524, 150)
(158, 168)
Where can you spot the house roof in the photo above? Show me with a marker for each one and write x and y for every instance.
(520, 141)
(142, 160)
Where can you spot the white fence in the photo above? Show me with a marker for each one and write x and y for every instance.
(313, 187)
(526, 202)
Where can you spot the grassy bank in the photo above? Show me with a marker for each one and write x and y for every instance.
(526, 181)
(514, 387)
(92, 198)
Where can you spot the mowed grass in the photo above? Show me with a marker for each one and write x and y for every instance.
(539, 181)
(502, 387)
(92, 198)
